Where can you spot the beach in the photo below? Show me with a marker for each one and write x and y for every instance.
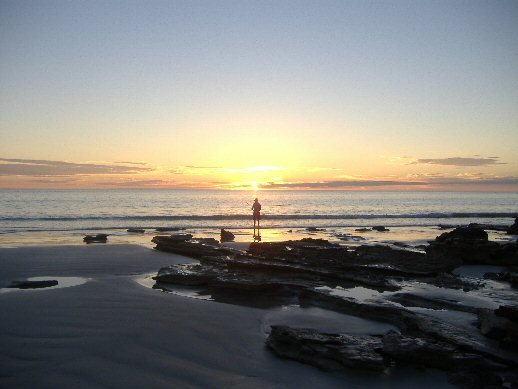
(183, 310)
(111, 331)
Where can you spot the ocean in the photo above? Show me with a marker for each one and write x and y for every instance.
(26, 213)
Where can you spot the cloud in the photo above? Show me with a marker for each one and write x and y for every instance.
(34, 167)
(131, 163)
(338, 184)
(429, 181)
(52, 181)
(475, 182)
(203, 167)
(459, 161)
(140, 183)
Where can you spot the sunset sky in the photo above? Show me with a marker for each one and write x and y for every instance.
(363, 95)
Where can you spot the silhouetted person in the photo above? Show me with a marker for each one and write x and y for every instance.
(256, 207)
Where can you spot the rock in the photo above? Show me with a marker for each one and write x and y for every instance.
(349, 237)
(465, 234)
(501, 324)
(179, 237)
(491, 325)
(307, 252)
(492, 227)
(327, 351)
(226, 236)
(317, 273)
(183, 245)
(426, 352)
(379, 310)
(380, 228)
(208, 241)
(471, 246)
(362, 229)
(510, 277)
(99, 238)
(315, 229)
(412, 300)
(167, 229)
(508, 311)
(447, 280)
(32, 284)
(186, 274)
(136, 230)
(463, 338)
(513, 230)
(409, 262)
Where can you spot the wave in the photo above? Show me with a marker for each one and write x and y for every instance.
(454, 215)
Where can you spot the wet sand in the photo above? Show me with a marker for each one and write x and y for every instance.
(111, 331)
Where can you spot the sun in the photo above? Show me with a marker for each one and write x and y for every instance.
(254, 185)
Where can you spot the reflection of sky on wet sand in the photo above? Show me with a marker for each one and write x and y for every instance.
(414, 236)
(490, 295)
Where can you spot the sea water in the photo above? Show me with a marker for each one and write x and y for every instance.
(24, 212)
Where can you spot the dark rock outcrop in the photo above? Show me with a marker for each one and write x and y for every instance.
(491, 325)
(33, 284)
(463, 234)
(226, 236)
(168, 229)
(511, 277)
(99, 238)
(349, 237)
(184, 245)
(327, 351)
(471, 246)
(380, 228)
(507, 311)
(500, 324)
(318, 273)
(207, 241)
(513, 230)
(363, 229)
(427, 352)
(338, 351)
(490, 227)
(413, 300)
(187, 274)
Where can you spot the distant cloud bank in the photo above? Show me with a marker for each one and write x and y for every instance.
(459, 161)
(433, 182)
(46, 168)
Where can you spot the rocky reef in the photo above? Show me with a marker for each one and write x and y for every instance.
(99, 238)
(443, 320)
(471, 246)
(513, 230)
(27, 284)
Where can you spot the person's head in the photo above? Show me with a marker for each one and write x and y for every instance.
(256, 200)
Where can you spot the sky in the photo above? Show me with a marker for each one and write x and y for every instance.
(356, 95)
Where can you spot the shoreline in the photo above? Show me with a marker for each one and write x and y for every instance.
(112, 331)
